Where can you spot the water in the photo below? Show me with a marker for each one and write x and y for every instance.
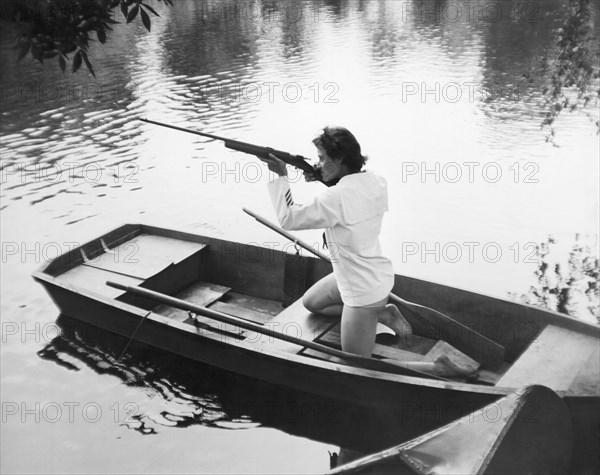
(442, 106)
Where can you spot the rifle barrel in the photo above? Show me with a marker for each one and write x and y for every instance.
(203, 134)
(297, 161)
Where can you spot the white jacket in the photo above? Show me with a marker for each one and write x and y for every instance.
(351, 213)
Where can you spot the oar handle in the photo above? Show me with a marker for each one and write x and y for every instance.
(285, 234)
(368, 363)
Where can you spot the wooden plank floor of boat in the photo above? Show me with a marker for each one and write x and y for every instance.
(295, 320)
(409, 348)
(222, 299)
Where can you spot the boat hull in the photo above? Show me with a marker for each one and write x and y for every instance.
(409, 402)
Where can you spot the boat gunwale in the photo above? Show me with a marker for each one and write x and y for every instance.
(588, 328)
(134, 230)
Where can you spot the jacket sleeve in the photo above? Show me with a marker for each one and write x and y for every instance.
(322, 212)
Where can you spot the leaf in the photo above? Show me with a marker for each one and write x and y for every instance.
(124, 9)
(101, 34)
(88, 64)
(37, 51)
(62, 63)
(76, 61)
(148, 7)
(132, 13)
(145, 19)
(23, 49)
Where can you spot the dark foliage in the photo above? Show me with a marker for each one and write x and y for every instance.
(59, 28)
(573, 66)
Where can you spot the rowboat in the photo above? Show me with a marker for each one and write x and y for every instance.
(258, 292)
(529, 431)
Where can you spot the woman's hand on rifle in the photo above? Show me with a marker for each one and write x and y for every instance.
(275, 164)
(311, 176)
(279, 167)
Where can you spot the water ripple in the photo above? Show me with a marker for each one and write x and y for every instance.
(168, 401)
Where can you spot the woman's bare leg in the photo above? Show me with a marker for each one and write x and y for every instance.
(391, 317)
(359, 326)
(324, 297)
(358, 329)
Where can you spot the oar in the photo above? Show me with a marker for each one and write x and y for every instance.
(362, 361)
(431, 323)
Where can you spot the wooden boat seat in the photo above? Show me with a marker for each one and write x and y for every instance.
(558, 358)
(94, 279)
(144, 256)
(145, 259)
(199, 293)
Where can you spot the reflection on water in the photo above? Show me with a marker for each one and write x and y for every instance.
(182, 393)
(175, 407)
(567, 287)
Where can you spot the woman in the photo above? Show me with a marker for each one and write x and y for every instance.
(351, 213)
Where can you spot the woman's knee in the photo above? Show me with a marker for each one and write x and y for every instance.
(311, 302)
(321, 295)
(315, 302)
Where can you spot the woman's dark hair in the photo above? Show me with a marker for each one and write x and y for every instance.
(339, 142)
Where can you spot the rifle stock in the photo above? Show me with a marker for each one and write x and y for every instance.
(297, 161)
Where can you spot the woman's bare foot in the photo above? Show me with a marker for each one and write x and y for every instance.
(392, 318)
(444, 366)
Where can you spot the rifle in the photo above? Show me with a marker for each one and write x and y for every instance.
(297, 161)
